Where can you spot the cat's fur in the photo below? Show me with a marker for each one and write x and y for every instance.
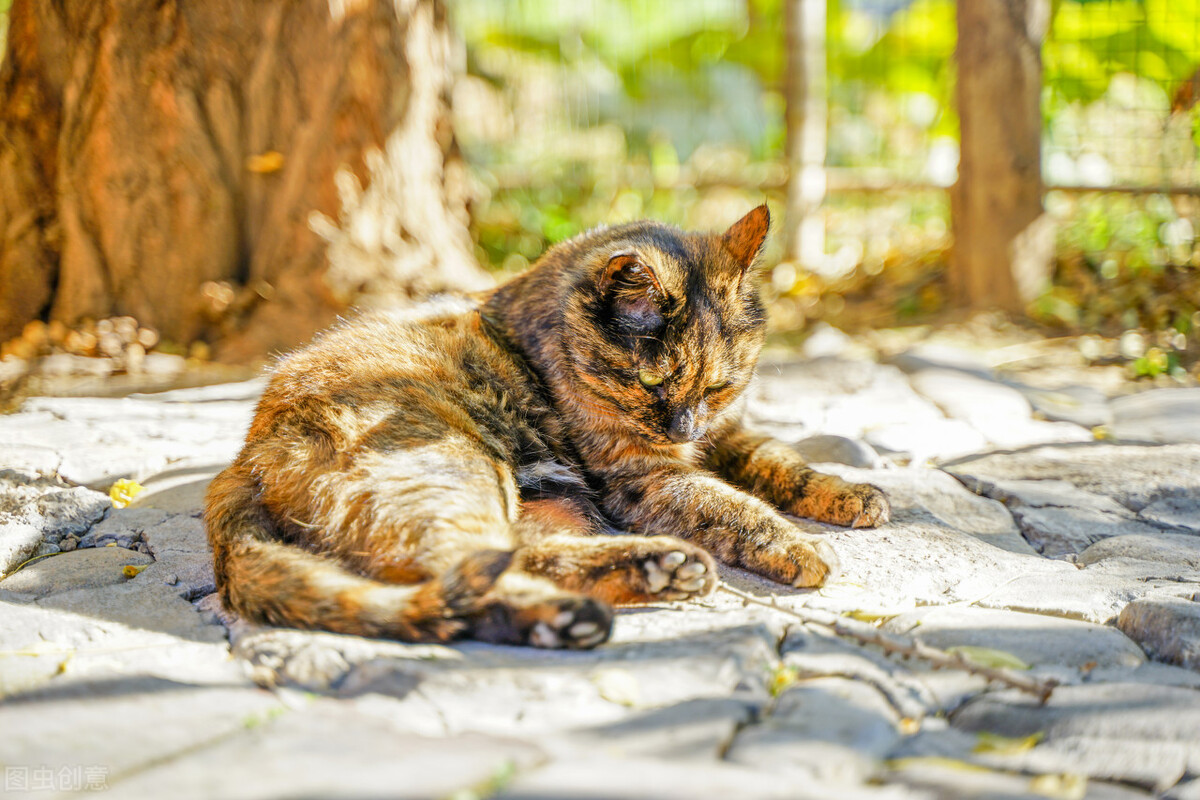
(464, 470)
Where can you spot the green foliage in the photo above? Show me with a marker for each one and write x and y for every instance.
(619, 109)
(1089, 42)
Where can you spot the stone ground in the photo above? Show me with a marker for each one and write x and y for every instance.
(1014, 528)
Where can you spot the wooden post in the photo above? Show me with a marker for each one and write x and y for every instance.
(806, 116)
(1003, 240)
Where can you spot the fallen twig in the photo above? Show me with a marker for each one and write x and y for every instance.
(903, 645)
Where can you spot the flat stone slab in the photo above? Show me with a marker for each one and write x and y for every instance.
(40, 643)
(1000, 413)
(1082, 405)
(1181, 511)
(837, 396)
(601, 776)
(1158, 415)
(1145, 735)
(94, 441)
(1163, 548)
(321, 748)
(1061, 532)
(695, 730)
(1134, 476)
(119, 726)
(1036, 639)
(1168, 628)
(79, 569)
(831, 730)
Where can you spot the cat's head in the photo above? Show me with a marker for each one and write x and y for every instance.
(663, 326)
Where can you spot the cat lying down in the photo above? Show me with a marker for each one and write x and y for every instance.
(509, 469)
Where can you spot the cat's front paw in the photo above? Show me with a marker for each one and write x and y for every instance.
(794, 558)
(854, 505)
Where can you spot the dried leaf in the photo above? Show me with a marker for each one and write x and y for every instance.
(1005, 745)
(617, 686)
(988, 657)
(264, 163)
(1067, 786)
(132, 570)
(123, 491)
(869, 616)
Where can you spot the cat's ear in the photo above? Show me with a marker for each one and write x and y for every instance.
(744, 239)
(633, 290)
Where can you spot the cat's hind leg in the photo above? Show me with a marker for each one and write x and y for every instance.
(560, 540)
(432, 506)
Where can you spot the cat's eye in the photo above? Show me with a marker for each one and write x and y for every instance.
(648, 378)
(715, 387)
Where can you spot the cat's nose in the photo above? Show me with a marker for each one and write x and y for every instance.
(683, 427)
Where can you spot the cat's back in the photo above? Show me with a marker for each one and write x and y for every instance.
(378, 345)
(381, 359)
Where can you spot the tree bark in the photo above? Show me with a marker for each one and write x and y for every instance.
(1003, 240)
(806, 119)
(154, 150)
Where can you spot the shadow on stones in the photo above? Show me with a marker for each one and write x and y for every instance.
(114, 687)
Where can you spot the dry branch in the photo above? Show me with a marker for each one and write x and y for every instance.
(904, 646)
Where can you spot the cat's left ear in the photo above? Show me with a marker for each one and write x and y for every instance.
(744, 239)
(633, 290)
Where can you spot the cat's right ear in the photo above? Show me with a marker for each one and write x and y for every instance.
(632, 290)
(744, 239)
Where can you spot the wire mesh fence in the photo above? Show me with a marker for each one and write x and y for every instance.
(604, 110)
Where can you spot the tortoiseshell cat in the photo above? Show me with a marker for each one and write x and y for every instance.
(464, 471)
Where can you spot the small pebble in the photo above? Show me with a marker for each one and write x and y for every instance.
(68, 544)
(171, 579)
(46, 548)
(142, 547)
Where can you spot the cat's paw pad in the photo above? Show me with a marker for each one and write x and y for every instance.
(679, 575)
(574, 623)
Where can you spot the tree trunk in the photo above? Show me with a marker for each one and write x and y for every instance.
(806, 120)
(1003, 240)
(170, 160)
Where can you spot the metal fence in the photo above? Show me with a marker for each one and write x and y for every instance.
(605, 109)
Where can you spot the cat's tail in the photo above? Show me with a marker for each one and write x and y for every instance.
(268, 581)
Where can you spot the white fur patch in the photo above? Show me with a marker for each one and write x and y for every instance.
(534, 475)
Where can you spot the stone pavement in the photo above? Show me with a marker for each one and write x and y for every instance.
(1014, 528)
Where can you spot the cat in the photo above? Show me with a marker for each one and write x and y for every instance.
(510, 468)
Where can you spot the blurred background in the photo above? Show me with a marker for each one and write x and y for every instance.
(576, 114)
(1019, 168)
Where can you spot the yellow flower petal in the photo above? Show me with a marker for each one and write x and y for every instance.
(123, 491)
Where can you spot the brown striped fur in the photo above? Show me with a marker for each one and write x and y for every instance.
(463, 470)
